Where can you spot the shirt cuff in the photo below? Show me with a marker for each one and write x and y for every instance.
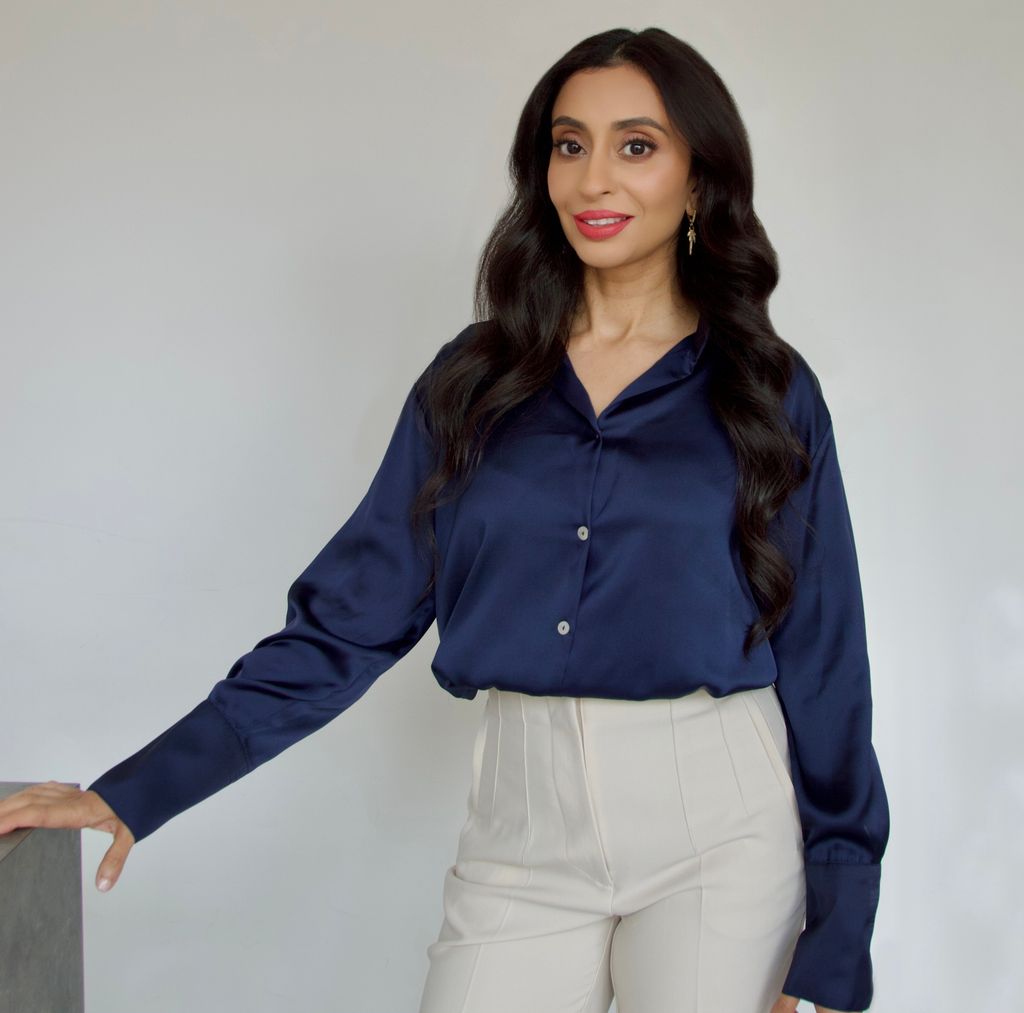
(832, 962)
(191, 760)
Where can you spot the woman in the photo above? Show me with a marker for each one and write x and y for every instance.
(618, 493)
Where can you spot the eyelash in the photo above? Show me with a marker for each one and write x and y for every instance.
(630, 140)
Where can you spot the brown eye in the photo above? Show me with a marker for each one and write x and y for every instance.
(631, 142)
(568, 140)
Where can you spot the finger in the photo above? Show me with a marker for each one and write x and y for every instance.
(14, 802)
(113, 861)
(49, 789)
(9, 805)
(38, 809)
(27, 814)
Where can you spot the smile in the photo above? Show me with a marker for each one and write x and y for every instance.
(601, 226)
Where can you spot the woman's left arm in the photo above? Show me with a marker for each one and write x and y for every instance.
(823, 684)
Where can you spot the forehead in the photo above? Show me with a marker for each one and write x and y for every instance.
(600, 97)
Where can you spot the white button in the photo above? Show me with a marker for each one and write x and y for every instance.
(563, 627)
(583, 532)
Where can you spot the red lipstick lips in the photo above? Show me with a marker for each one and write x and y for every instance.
(585, 223)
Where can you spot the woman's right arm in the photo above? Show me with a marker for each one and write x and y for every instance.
(352, 613)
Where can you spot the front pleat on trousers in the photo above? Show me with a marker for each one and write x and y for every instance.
(590, 818)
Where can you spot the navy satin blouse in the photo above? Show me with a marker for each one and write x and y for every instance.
(589, 556)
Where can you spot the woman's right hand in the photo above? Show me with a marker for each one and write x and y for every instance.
(54, 804)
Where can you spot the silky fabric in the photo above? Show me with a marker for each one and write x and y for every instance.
(595, 555)
(648, 850)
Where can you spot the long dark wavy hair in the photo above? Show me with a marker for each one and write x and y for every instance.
(530, 282)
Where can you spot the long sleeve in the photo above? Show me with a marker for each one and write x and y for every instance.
(351, 614)
(823, 683)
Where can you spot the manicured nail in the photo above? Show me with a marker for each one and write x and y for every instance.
(104, 884)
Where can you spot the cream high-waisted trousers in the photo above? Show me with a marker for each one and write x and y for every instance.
(647, 850)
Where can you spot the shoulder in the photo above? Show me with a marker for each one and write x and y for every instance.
(454, 344)
(450, 346)
(805, 403)
(418, 396)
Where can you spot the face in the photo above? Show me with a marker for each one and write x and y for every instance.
(641, 170)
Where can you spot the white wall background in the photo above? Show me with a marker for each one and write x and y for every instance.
(233, 233)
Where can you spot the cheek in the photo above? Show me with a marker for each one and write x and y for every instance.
(664, 192)
(555, 186)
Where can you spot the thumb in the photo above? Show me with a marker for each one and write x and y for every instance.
(113, 861)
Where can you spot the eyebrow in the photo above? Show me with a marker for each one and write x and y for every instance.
(633, 121)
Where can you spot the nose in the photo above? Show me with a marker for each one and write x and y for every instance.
(597, 176)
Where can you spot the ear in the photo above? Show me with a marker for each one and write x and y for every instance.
(693, 201)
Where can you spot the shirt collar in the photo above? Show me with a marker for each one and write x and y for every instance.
(678, 362)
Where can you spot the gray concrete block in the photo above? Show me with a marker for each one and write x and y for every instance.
(41, 946)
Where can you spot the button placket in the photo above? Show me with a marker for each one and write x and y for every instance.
(582, 533)
(582, 536)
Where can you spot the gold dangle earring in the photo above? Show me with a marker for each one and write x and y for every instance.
(691, 234)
